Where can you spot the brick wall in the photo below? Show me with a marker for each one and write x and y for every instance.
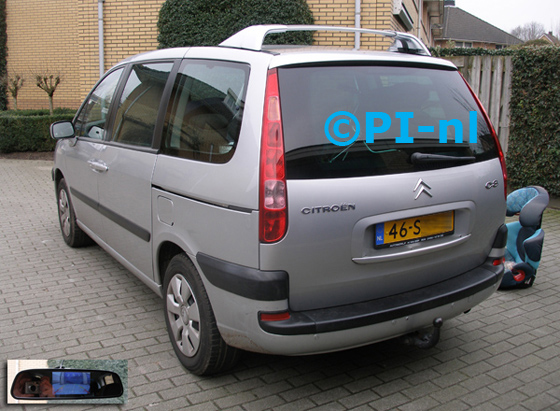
(377, 15)
(88, 45)
(130, 27)
(333, 13)
(374, 14)
(61, 36)
(42, 39)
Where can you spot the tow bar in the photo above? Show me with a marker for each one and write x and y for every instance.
(426, 338)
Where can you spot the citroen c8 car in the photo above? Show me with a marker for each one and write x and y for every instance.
(289, 200)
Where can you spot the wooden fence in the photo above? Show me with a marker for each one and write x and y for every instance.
(490, 78)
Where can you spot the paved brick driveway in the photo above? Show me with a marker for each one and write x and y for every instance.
(56, 302)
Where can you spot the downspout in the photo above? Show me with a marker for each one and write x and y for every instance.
(358, 23)
(420, 12)
(100, 31)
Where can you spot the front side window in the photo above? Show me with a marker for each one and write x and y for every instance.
(139, 104)
(204, 119)
(93, 116)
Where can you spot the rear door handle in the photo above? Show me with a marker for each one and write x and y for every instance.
(98, 166)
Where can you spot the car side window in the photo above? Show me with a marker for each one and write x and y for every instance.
(139, 104)
(93, 116)
(204, 119)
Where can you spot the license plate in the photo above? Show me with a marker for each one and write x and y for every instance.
(413, 230)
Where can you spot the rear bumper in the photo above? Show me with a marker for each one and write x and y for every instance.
(386, 309)
(237, 301)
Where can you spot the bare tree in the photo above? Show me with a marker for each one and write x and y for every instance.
(48, 83)
(14, 85)
(529, 31)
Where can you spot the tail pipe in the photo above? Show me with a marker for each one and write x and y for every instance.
(423, 339)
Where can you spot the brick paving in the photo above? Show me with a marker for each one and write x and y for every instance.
(57, 302)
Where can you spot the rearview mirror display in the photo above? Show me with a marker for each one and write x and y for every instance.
(66, 384)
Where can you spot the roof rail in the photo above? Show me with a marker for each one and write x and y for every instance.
(252, 37)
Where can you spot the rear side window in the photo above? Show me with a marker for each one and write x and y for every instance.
(204, 118)
(139, 104)
(310, 95)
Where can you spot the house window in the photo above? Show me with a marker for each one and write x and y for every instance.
(465, 44)
(499, 47)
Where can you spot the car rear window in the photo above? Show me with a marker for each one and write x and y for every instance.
(310, 95)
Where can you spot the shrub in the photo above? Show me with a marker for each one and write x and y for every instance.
(534, 147)
(474, 51)
(535, 43)
(208, 23)
(28, 130)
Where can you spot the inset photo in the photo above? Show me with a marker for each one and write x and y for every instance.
(60, 381)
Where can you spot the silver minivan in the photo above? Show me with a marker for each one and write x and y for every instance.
(289, 200)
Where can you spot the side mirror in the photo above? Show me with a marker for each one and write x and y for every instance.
(66, 384)
(62, 129)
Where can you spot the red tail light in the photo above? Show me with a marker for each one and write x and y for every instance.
(498, 262)
(275, 316)
(494, 135)
(273, 195)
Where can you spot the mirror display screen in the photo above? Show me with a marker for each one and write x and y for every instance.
(71, 383)
(68, 384)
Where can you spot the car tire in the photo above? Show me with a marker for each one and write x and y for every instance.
(190, 321)
(71, 232)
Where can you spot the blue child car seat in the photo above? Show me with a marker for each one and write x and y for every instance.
(525, 237)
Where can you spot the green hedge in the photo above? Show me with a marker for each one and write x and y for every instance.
(208, 23)
(475, 51)
(534, 145)
(29, 130)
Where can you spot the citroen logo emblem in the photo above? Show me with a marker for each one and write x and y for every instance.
(420, 188)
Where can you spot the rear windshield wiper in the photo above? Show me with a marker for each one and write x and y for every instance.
(423, 158)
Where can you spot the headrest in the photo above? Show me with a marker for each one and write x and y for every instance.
(530, 202)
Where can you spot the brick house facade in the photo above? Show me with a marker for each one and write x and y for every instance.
(62, 36)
